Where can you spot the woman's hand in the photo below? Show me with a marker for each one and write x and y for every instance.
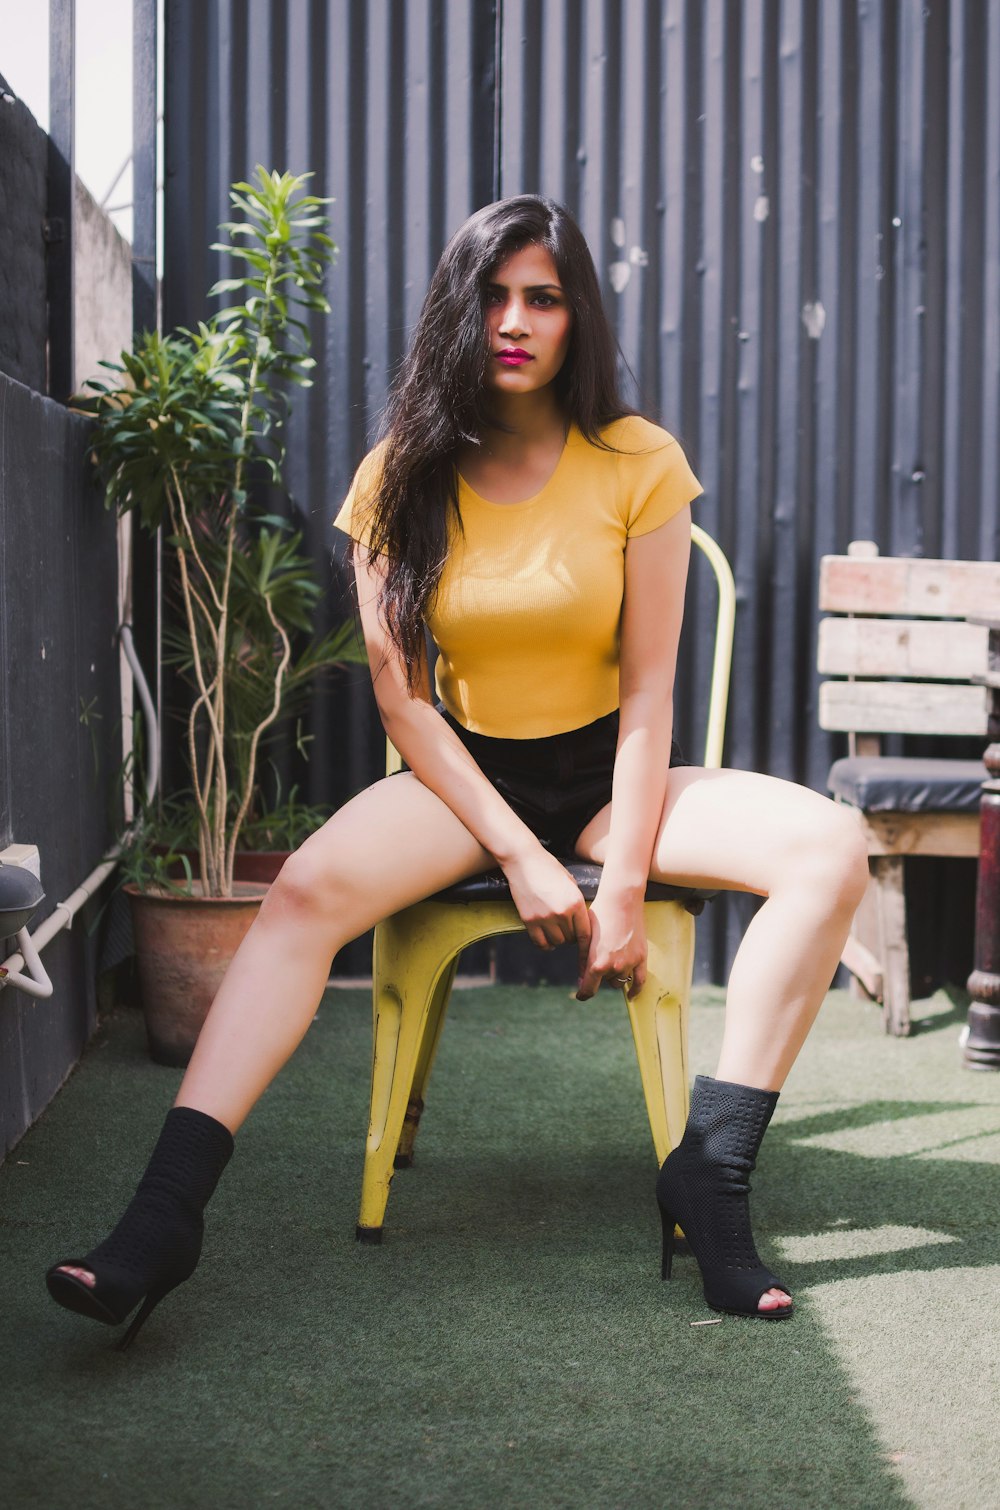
(617, 944)
(548, 901)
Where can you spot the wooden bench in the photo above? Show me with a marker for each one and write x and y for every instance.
(905, 655)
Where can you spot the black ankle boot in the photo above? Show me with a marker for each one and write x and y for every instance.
(704, 1186)
(157, 1243)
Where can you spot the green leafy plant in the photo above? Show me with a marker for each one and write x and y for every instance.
(154, 854)
(175, 439)
(285, 826)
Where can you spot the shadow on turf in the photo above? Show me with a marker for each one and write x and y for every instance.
(850, 1191)
(951, 1020)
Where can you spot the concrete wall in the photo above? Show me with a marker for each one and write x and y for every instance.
(102, 265)
(102, 290)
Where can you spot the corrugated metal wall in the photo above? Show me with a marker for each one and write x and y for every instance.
(795, 209)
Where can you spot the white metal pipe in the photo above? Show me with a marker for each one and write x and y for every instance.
(152, 780)
(61, 916)
(37, 983)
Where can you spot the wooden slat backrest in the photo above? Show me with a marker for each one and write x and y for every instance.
(902, 708)
(899, 585)
(928, 639)
(940, 650)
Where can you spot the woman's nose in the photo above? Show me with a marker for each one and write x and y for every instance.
(515, 320)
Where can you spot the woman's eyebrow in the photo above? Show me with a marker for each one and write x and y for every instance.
(530, 288)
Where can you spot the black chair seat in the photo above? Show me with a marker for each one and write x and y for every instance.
(907, 784)
(492, 887)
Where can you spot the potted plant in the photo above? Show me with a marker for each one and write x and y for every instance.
(269, 837)
(176, 437)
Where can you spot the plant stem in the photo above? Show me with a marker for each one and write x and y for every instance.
(210, 875)
(286, 655)
(228, 855)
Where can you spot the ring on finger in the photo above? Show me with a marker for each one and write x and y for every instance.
(623, 980)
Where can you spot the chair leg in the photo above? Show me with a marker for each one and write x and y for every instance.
(659, 1017)
(414, 964)
(402, 1013)
(416, 955)
(892, 945)
(861, 951)
(425, 1063)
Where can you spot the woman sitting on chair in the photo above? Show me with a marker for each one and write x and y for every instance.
(541, 531)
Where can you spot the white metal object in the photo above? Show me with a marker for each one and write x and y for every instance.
(36, 981)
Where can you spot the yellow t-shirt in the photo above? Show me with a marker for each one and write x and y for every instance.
(528, 609)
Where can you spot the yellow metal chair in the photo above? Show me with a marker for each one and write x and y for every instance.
(416, 957)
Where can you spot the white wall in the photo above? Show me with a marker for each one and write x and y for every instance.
(102, 273)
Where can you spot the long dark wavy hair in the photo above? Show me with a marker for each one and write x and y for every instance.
(439, 398)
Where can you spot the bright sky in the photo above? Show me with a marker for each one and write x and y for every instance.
(103, 87)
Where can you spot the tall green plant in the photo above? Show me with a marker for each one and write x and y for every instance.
(174, 440)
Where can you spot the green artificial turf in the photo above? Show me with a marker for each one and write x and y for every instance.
(511, 1343)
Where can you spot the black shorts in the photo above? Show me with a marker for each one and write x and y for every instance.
(557, 784)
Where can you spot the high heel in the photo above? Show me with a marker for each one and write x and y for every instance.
(669, 1235)
(151, 1301)
(704, 1187)
(157, 1244)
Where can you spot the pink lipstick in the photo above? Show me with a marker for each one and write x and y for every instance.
(513, 356)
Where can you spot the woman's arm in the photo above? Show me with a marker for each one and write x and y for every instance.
(546, 896)
(656, 566)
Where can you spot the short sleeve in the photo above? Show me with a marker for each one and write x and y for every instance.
(354, 516)
(663, 484)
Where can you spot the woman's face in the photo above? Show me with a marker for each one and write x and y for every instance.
(528, 320)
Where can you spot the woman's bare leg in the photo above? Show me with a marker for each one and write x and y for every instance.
(392, 845)
(741, 831)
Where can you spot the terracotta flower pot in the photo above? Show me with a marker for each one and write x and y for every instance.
(248, 864)
(184, 946)
(258, 864)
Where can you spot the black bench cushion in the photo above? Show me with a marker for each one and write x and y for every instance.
(906, 784)
(492, 887)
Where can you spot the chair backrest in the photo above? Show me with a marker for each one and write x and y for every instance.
(722, 656)
(903, 644)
